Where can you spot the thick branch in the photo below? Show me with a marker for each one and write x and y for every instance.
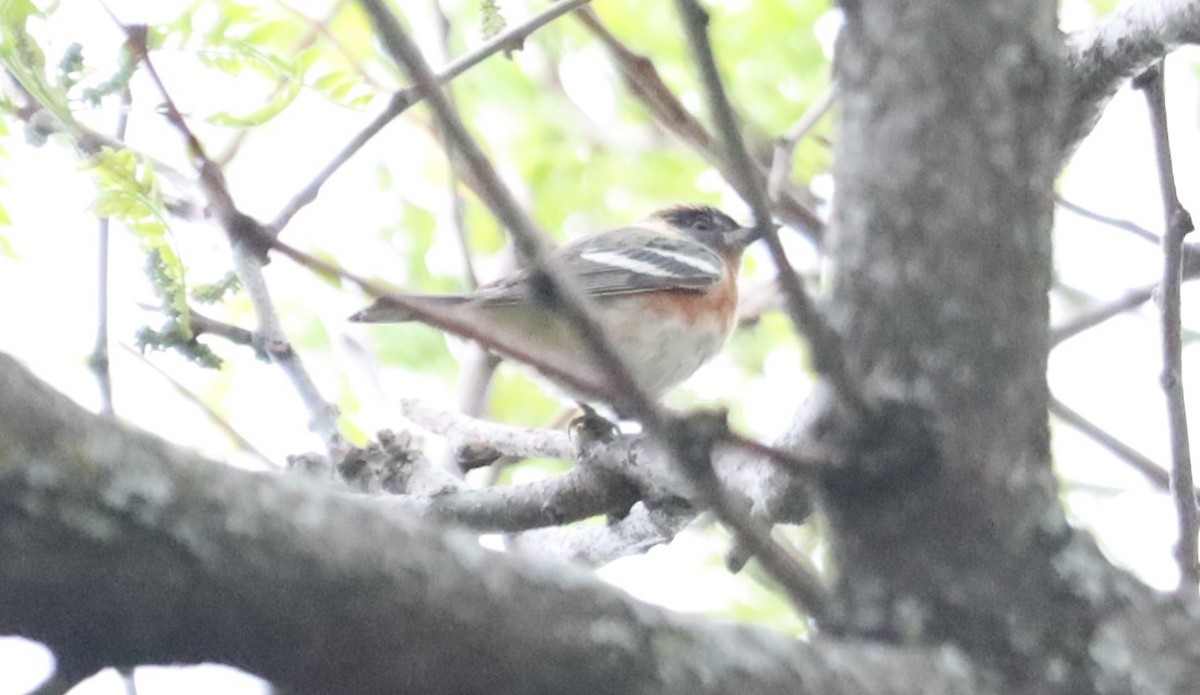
(1119, 47)
(133, 551)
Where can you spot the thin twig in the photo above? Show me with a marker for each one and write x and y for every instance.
(321, 28)
(648, 86)
(694, 438)
(461, 429)
(213, 416)
(826, 343)
(40, 118)
(315, 29)
(622, 390)
(202, 324)
(248, 256)
(1132, 299)
(1153, 472)
(804, 590)
(1100, 313)
(99, 360)
(1116, 222)
(1178, 224)
(785, 147)
(400, 102)
(478, 365)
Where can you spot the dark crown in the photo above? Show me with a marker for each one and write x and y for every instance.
(702, 219)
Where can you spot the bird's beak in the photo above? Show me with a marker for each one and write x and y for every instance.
(741, 238)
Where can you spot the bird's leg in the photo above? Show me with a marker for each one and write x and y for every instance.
(592, 427)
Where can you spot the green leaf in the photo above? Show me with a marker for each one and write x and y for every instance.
(24, 60)
(519, 399)
(279, 101)
(6, 247)
(332, 279)
(415, 346)
(14, 13)
(214, 292)
(492, 21)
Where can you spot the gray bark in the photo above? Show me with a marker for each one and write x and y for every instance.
(956, 569)
(121, 549)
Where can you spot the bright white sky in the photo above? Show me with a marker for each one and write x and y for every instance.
(1110, 373)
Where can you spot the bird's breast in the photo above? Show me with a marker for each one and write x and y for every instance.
(666, 336)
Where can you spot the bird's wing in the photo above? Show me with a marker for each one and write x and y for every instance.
(622, 261)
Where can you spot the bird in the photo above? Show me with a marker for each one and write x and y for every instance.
(663, 288)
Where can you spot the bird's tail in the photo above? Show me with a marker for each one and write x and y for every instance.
(388, 311)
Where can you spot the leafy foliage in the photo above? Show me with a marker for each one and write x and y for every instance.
(492, 21)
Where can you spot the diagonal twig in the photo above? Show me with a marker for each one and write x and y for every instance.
(623, 391)
(214, 417)
(1094, 316)
(803, 588)
(826, 343)
(648, 86)
(1117, 222)
(479, 366)
(248, 254)
(785, 147)
(1178, 224)
(1153, 472)
(402, 100)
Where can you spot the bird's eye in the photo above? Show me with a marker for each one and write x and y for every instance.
(702, 226)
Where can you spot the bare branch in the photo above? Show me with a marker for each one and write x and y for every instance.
(622, 389)
(201, 324)
(99, 361)
(1120, 223)
(1153, 472)
(248, 256)
(1178, 225)
(1099, 314)
(213, 416)
(638, 531)
(146, 544)
(694, 439)
(462, 430)
(826, 344)
(578, 494)
(509, 40)
(647, 85)
(1117, 48)
(785, 147)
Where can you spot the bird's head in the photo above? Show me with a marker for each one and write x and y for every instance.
(705, 224)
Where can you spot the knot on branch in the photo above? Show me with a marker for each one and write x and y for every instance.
(248, 233)
(693, 437)
(394, 464)
(887, 449)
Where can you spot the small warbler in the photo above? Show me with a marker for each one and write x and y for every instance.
(663, 288)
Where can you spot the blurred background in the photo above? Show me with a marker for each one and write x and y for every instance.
(275, 88)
